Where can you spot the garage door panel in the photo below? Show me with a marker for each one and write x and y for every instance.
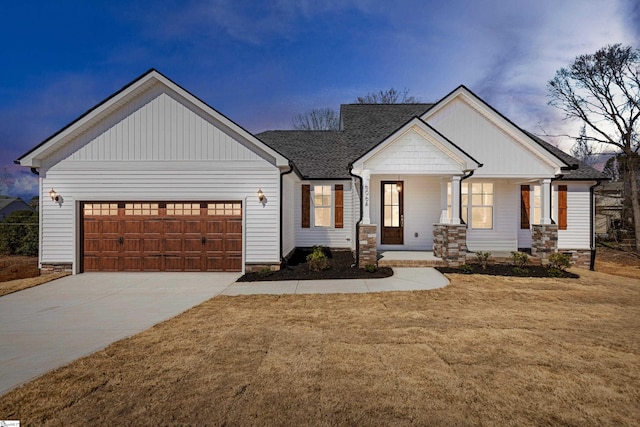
(162, 236)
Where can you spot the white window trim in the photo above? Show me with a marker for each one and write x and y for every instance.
(331, 205)
(468, 207)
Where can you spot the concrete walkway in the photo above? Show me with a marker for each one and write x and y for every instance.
(51, 325)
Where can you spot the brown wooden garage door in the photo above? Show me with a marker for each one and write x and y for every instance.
(162, 236)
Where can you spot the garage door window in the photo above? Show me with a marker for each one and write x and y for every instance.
(183, 208)
(101, 209)
(141, 209)
(224, 209)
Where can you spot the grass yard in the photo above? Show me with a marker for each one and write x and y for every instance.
(484, 350)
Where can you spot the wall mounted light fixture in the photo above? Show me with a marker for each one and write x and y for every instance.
(260, 196)
(55, 197)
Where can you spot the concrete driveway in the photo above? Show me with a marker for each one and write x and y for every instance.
(48, 326)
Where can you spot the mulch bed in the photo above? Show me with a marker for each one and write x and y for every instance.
(340, 267)
(506, 270)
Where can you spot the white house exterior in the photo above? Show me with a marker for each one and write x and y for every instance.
(153, 179)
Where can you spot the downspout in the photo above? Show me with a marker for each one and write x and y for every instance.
(592, 228)
(360, 218)
(282, 174)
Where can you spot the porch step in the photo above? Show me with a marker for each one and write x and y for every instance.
(409, 259)
(410, 263)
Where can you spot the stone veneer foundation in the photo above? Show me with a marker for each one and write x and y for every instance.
(56, 268)
(450, 243)
(368, 250)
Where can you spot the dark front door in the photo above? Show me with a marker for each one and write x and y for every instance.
(392, 213)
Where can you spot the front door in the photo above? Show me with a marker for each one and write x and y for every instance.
(392, 213)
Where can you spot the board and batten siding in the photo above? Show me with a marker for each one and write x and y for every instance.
(500, 153)
(577, 235)
(156, 125)
(325, 236)
(157, 148)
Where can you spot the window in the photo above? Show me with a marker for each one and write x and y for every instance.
(183, 208)
(101, 209)
(141, 209)
(322, 206)
(482, 205)
(220, 209)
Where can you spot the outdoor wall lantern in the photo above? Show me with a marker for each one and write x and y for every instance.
(55, 197)
(260, 196)
(399, 187)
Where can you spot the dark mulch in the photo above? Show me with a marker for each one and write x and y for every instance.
(340, 267)
(507, 270)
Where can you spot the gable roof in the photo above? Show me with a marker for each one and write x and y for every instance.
(328, 154)
(152, 77)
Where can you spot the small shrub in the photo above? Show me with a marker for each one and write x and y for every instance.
(265, 271)
(555, 272)
(520, 259)
(370, 268)
(559, 261)
(317, 259)
(483, 259)
(466, 268)
(520, 271)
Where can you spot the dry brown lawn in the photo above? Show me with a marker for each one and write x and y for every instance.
(20, 284)
(482, 351)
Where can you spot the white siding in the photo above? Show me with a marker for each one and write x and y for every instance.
(422, 208)
(288, 223)
(156, 125)
(325, 236)
(412, 152)
(501, 154)
(199, 181)
(577, 235)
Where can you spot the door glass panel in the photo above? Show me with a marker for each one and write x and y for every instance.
(391, 206)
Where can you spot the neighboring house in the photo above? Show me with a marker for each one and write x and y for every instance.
(154, 179)
(12, 204)
(609, 207)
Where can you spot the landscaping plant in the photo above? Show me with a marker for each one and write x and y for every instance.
(483, 259)
(317, 259)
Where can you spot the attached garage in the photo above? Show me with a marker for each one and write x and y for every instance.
(154, 179)
(162, 236)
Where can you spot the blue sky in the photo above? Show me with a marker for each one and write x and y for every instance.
(260, 63)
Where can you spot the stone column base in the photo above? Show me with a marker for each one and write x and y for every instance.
(544, 241)
(450, 243)
(368, 245)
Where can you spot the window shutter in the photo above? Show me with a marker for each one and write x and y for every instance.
(306, 206)
(339, 206)
(525, 206)
(562, 207)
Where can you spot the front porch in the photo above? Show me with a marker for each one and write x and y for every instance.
(429, 259)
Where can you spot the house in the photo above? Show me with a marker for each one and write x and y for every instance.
(12, 204)
(154, 179)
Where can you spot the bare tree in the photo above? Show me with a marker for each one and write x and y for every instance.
(603, 90)
(583, 150)
(317, 119)
(390, 96)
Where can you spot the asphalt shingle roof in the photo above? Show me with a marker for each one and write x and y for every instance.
(327, 154)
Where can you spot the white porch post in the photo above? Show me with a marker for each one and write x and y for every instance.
(545, 202)
(455, 201)
(366, 202)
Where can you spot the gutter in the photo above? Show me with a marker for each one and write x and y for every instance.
(592, 219)
(360, 218)
(282, 174)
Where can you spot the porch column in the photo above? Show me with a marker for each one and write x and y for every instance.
(455, 201)
(366, 202)
(545, 202)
